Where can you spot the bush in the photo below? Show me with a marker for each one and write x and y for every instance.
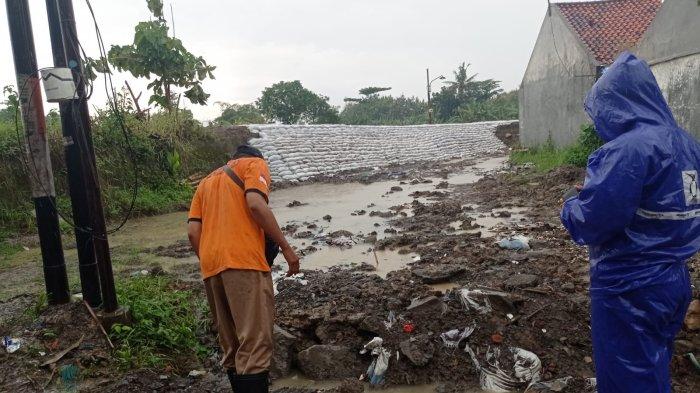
(385, 110)
(167, 148)
(588, 142)
(166, 323)
(547, 156)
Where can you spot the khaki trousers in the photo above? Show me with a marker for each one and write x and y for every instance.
(242, 304)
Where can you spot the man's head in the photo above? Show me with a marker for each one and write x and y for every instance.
(246, 150)
(627, 95)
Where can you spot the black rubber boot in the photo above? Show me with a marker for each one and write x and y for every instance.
(231, 372)
(250, 383)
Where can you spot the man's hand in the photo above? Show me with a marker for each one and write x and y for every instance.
(292, 260)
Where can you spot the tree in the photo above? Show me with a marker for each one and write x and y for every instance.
(464, 90)
(292, 103)
(370, 91)
(154, 52)
(501, 107)
(239, 114)
(387, 110)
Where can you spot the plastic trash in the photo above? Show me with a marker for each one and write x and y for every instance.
(299, 278)
(380, 363)
(454, 337)
(197, 373)
(11, 344)
(390, 321)
(494, 378)
(371, 345)
(478, 299)
(377, 369)
(515, 243)
(555, 385)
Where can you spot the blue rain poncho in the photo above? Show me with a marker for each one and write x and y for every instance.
(639, 213)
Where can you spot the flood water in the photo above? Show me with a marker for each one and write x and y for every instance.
(340, 201)
(337, 200)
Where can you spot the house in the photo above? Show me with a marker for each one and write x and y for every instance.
(671, 45)
(575, 43)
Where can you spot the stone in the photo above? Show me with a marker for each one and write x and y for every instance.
(692, 318)
(418, 350)
(437, 274)
(521, 281)
(681, 347)
(427, 305)
(568, 287)
(282, 354)
(327, 362)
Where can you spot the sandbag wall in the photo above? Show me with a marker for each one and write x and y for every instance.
(299, 152)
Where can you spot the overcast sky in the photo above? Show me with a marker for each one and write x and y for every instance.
(333, 47)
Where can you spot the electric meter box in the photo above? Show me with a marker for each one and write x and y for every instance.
(58, 84)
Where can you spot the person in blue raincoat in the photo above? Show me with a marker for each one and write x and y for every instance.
(639, 213)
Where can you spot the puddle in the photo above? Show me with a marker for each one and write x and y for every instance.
(445, 287)
(300, 382)
(340, 201)
(493, 223)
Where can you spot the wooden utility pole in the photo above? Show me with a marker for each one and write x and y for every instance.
(37, 151)
(83, 135)
(77, 172)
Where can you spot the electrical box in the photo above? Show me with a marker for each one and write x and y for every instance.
(58, 84)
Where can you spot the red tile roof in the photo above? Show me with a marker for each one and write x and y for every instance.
(608, 27)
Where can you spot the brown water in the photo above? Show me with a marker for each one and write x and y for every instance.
(341, 200)
(337, 200)
(298, 381)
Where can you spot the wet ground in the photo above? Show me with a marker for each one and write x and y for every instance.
(434, 232)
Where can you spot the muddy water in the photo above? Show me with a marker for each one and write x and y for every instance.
(300, 382)
(340, 201)
(337, 200)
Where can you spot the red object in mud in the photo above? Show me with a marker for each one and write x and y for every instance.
(497, 338)
(408, 328)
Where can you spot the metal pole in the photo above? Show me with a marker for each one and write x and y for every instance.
(430, 107)
(37, 151)
(84, 136)
(77, 174)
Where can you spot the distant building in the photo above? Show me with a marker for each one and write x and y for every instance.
(671, 45)
(576, 41)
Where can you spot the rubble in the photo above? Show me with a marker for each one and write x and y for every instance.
(328, 362)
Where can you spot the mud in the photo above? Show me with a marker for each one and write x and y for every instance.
(443, 243)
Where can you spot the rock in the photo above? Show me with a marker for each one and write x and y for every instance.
(296, 203)
(282, 354)
(327, 217)
(373, 324)
(442, 185)
(521, 281)
(340, 233)
(692, 318)
(437, 274)
(681, 347)
(419, 350)
(327, 362)
(568, 287)
(427, 305)
(396, 189)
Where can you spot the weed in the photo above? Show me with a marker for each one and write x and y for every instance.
(165, 324)
(547, 156)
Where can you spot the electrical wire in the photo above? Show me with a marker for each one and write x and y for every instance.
(83, 143)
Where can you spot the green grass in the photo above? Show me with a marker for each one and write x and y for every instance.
(544, 158)
(167, 321)
(548, 157)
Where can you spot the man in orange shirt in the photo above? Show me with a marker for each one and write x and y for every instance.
(227, 224)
